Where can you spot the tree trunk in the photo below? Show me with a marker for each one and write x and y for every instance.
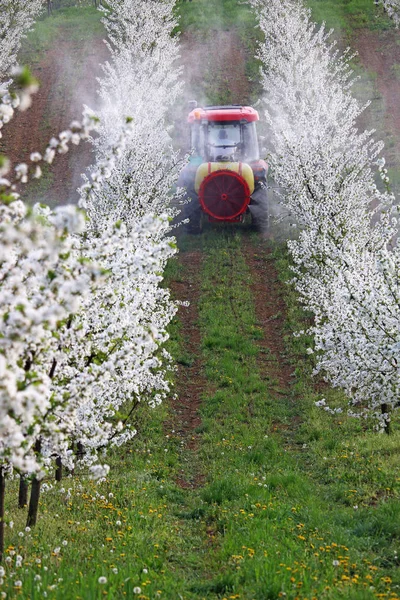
(35, 494)
(59, 469)
(34, 503)
(80, 450)
(384, 410)
(23, 492)
(2, 494)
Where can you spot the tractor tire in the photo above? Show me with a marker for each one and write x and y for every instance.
(195, 225)
(192, 211)
(259, 208)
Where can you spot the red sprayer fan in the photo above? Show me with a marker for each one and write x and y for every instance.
(224, 195)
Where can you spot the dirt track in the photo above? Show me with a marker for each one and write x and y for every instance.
(379, 53)
(67, 77)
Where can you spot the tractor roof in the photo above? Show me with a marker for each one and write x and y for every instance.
(223, 113)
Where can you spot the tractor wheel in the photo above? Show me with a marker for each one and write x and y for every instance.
(259, 208)
(191, 211)
(195, 216)
(195, 225)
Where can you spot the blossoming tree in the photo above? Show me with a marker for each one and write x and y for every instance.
(141, 81)
(344, 261)
(16, 18)
(392, 8)
(83, 314)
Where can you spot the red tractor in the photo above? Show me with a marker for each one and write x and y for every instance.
(225, 178)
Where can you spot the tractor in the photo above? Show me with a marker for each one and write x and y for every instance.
(225, 179)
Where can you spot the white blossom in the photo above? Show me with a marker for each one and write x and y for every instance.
(347, 265)
(140, 85)
(16, 18)
(392, 8)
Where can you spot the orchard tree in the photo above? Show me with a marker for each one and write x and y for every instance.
(120, 334)
(141, 81)
(42, 283)
(326, 168)
(83, 312)
(357, 341)
(16, 18)
(42, 280)
(84, 316)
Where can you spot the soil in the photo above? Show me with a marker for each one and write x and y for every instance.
(67, 77)
(271, 312)
(215, 63)
(190, 380)
(379, 52)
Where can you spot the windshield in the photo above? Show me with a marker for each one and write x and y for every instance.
(225, 141)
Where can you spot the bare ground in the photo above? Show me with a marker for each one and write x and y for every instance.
(379, 53)
(268, 295)
(190, 381)
(67, 78)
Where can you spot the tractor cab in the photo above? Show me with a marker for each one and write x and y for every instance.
(224, 141)
(225, 177)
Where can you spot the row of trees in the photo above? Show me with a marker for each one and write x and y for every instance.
(16, 18)
(83, 316)
(346, 256)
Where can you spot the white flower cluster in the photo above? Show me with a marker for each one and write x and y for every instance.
(83, 316)
(392, 8)
(16, 18)
(140, 85)
(82, 320)
(346, 268)
(41, 282)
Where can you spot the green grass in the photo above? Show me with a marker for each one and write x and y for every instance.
(204, 19)
(346, 16)
(78, 24)
(206, 15)
(294, 503)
